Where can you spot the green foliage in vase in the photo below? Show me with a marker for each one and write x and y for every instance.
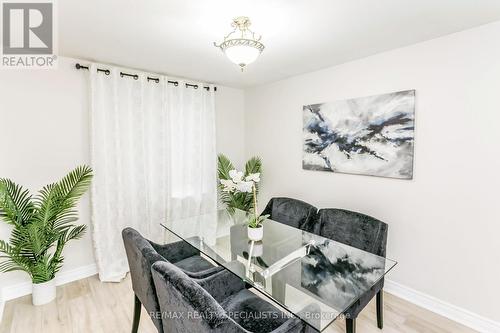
(42, 225)
(237, 200)
(256, 221)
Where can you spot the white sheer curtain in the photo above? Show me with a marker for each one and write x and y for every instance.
(153, 154)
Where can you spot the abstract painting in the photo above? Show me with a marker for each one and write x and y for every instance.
(368, 135)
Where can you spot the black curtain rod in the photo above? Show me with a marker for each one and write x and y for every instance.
(136, 77)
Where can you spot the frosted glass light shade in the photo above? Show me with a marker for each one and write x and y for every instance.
(242, 55)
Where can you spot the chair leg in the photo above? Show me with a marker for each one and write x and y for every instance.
(350, 325)
(137, 314)
(380, 309)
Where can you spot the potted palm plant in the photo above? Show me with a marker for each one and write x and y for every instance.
(42, 226)
(239, 183)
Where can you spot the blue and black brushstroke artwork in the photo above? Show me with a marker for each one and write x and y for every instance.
(368, 135)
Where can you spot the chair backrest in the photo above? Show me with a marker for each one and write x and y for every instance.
(141, 256)
(354, 229)
(185, 305)
(293, 212)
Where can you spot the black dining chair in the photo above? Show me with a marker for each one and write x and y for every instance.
(293, 212)
(219, 303)
(363, 232)
(142, 254)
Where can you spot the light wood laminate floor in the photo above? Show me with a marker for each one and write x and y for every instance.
(91, 306)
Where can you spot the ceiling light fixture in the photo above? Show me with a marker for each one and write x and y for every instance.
(241, 47)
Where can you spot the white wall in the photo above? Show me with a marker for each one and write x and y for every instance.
(231, 124)
(44, 133)
(43, 115)
(444, 225)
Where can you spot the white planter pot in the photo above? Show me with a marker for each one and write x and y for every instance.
(255, 234)
(44, 293)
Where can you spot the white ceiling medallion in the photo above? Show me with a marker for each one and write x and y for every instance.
(241, 47)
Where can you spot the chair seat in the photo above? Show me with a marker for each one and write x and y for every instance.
(253, 313)
(194, 264)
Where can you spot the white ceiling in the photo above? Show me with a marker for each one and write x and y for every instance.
(176, 36)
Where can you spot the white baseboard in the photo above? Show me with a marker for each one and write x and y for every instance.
(450, 311)
(24, 288)
(76, 274)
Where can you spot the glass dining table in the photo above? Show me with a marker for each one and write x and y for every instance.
(314, 278)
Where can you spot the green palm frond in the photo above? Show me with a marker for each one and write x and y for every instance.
(253, 165)
(15, 260)
(76, 232)
(42, 225)
(15, 203)
(56, 201)
(224, 165)
(71, 188)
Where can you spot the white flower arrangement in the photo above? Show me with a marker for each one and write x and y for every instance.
(237, 183)
(246, 185)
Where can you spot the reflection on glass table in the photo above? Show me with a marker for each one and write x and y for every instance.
(314, 278)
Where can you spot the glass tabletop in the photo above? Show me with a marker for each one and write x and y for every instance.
(314, 278)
